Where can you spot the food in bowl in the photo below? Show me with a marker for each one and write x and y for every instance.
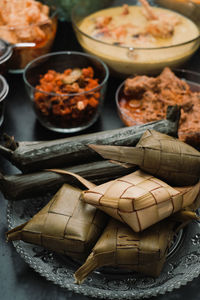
(142, 99)
(66, 89)
(27, 21)
(137, 39)
(71, 110)
(132, 26)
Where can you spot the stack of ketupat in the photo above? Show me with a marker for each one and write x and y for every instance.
(148, 211)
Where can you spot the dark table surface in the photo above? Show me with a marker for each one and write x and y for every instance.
(17, 280)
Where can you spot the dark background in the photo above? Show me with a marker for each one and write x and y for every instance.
(17, 280)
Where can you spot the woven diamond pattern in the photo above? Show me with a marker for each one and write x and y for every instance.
(65, 225)
(139, 199)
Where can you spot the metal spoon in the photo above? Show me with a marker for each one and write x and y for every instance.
(6, 49)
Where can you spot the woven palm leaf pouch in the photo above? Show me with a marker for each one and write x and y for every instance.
(140, 199)
(65, 225)
(144, 252)
(161, 155)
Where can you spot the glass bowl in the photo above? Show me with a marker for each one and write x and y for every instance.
(123, 60)
(5, 54)
(79, 102)
(4, 88)
(41, 34)
(187, 132)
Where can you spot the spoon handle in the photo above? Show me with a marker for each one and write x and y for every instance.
(18, 45)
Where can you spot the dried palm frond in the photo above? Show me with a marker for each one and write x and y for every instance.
(59, 153)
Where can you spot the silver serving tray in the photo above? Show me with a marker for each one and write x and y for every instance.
(181, 267)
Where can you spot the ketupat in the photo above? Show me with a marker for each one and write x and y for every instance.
(65, 225)
(139, 199)
(57, 242)
(160, 155)
(143, 252)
